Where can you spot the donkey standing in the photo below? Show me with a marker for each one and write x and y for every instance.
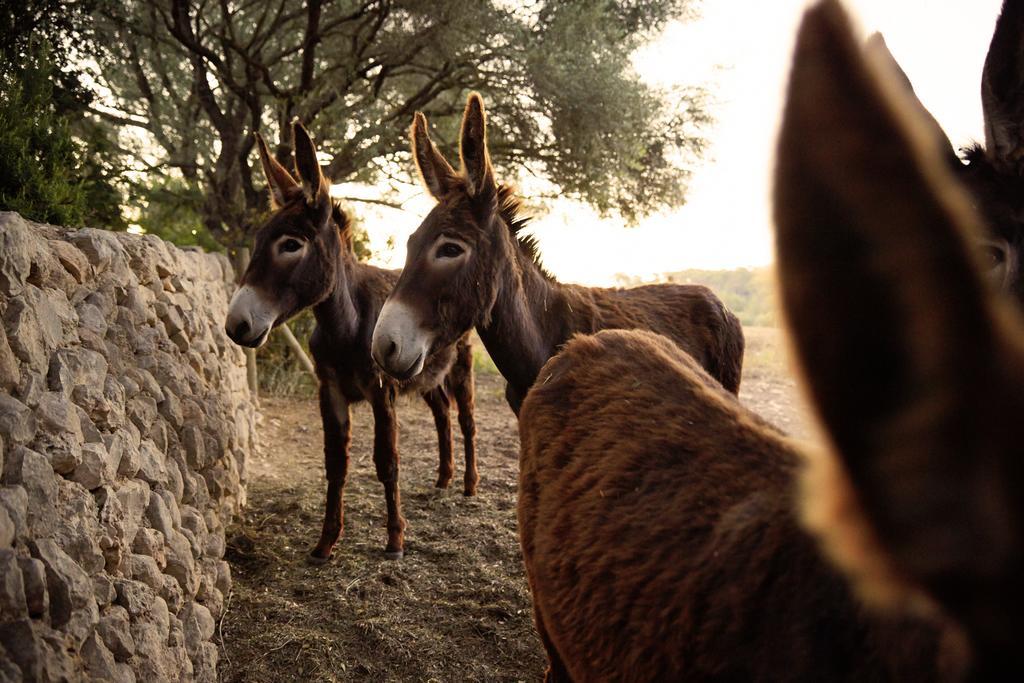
(670, 541)
(303, 257)
(468, 265)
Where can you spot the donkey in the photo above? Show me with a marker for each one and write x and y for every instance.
(469, 264)
(993, 172)
(684, 538)
(303, 257)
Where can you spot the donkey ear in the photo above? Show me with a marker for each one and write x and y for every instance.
(279, 180)
(437, 174)
(1002, 89)
(902, 351)
(878, 50)
(476, 161)
(314, 186)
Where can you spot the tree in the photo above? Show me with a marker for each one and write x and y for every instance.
(194, 79)
(55, 164)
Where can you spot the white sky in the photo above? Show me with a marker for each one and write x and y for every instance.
(740, 49)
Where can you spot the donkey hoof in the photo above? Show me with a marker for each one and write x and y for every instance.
(317, 558)
(443, 483)
(469, 491)
(394, 554)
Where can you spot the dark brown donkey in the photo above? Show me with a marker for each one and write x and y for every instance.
(469, 265)
(994, 173)
(671, 541)
(302, 257)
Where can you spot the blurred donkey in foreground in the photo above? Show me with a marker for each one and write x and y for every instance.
(664, 529)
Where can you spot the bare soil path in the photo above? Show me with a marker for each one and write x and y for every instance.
(456, 608)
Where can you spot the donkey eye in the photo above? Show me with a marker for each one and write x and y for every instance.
(449, 250)
(291, 245)
(993, 255)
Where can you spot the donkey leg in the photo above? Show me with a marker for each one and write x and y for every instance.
(463, 391)
(385, 458)
(441, 406)
(334, 413)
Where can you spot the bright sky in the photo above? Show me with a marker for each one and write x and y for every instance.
(740, 50)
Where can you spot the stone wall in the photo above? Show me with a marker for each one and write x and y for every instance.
(125, 422)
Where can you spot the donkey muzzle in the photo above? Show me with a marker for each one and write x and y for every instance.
(400, 345)
(250, 318)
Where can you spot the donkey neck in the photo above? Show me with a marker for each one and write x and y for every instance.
(526, 323)
(338, 314)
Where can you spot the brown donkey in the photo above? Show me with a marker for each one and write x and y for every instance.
(663, 530)
(469, 265)
(994, 172)
(303, 257)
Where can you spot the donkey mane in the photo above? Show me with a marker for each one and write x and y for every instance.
(510, 209)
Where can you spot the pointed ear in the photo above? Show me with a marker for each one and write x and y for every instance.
(437, 174)
(907, 356)
(1002, 90)
(879, 52)
(315, 187)
(476, 161)
(279, 180)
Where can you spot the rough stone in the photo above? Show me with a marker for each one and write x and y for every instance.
(10, 374)
(33, 472)
(151, 542)
(8, 532)
(14, 501)
(12, 587)
(17, 247)
(99, 661)
(151, 463)
(68, 585)
(195, 447)
(103, 589)
(17, 422)
(172, 594)
(125, 421)
(73, 260)
(33, 578)
(95, 470)
(144, 568)
(60, 433)
(24, 648)
(114, 630)
(198, 624)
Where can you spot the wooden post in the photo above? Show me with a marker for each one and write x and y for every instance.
(296, 347)
(250, 354)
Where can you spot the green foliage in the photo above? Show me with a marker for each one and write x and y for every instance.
(281, 373)
(748, 292)
(56, 165)
(170, 209)
(193, 82)
(46, 174)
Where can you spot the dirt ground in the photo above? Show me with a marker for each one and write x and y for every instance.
(456, 608)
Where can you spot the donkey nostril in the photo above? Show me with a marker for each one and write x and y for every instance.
(392, 349)
(241, 330)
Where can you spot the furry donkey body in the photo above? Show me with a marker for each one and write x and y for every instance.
(663, 527)
(302, 258)
(469, 265)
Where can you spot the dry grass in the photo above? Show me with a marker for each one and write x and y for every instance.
(457, 606)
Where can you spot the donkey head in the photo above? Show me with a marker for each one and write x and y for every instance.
(995, 173)
(295, 256)
(447, 285)
(913, 359)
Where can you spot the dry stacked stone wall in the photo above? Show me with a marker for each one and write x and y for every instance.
(125, 423)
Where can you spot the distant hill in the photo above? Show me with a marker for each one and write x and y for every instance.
(748, 292)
